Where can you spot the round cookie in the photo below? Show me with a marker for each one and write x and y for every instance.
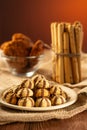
(7, 92)
(37, 78)
(42, 93)
(55, 90)
(15, 48)
(24, 92)
(10, 97)
(38, 48)
(43, 84)
(5, 44)
(40, 81)
(28, 83)
(57, 100)
(27, 102)
(20, 36)
(43, 102)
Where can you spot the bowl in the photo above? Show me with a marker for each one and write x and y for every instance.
(22, 66)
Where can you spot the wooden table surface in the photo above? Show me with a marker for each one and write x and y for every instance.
(78, 122)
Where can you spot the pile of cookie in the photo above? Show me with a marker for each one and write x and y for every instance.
(21, 45)
(35, 92)
(19, 51)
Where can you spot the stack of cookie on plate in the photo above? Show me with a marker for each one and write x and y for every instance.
(35, 92)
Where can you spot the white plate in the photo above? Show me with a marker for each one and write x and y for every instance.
(71, 93)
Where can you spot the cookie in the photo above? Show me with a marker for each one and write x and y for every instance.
(43, 102)
(24, 92)
(10, 97)
(57, 100)
(27, 83)
(37, 78)
(15, 48)
(38, 48)
(27, 102)
(41, 93)
(55, 90)
(21, 36)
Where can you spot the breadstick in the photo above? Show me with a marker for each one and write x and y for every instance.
(56, 50)
(67, 62)
(78, 36)
(60, 77)
(52, 36)
(79, 40)
(73, 51)
(53, 56)
(54, 65)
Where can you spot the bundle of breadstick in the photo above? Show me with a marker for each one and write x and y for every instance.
(66, 44)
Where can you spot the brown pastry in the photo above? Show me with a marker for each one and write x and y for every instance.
(24, 92)
(37, 78)
(43, 84)
(7, 92)
(42, 93)
(57, 100)
(40, 81)
(55, 90)
(28, 83)
(10, 97)
(15, 48)
(21, 36)
(27, 102)
(43, 102)
(4, 45)
(38, 48)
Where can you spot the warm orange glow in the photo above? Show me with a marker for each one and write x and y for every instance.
(58, 10)
(33, 17)
(70, 10)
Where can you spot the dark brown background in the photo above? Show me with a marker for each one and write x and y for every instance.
(33, 17)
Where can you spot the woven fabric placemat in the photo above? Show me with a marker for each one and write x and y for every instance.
(8, 115)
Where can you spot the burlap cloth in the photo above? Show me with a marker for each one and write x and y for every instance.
(8, 115)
